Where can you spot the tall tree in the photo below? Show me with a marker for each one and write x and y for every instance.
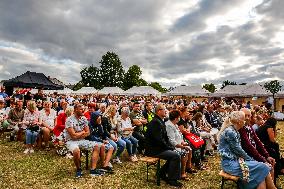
(111, 70)
(91, 77)
(158, 87)
(227, 82)
(274, 87)
(132, 77)
(209, 87)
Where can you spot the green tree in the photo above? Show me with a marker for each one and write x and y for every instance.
(111, 71)
(91, 77)
(78, 86)
(274, 87)
(158, 87)
(209, 87)
(227, 82)
(132, 77)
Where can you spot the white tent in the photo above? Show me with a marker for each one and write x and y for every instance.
(229, 91)
(254, 90)
(189, 91)
(111, 90)
(251, 90)
(65, 91)
(142, 90)
(86, 90)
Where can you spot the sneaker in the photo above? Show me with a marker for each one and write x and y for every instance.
(132, 159)
(32, 151)
(107, 169)
(27, 151)
(110, 165)
(78, 173)
(96, 172)
(116, 160)
(135, 158)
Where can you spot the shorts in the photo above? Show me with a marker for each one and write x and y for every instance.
(81, 144)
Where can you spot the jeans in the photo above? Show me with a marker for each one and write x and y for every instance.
(131, 145)
(31, 136)
(119, 146)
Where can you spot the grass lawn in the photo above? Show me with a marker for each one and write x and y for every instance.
(45, 169)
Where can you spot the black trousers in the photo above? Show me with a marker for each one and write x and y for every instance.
(172, 167)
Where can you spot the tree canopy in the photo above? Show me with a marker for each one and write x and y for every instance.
(209, 87)
(227, 82)
(111, 73)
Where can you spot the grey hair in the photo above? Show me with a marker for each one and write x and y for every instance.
(125, 110)
(230, 120)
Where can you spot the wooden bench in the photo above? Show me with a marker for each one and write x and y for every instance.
(227, 177)
(152, 161)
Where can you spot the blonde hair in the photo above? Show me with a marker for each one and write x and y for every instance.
(107, 113)
(31, 105)
(69, 111)
(233, 118)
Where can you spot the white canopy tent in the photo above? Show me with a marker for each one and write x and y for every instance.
(251, 90)
(142, 90)
(189, 91)
(111, 90)
(86, 90)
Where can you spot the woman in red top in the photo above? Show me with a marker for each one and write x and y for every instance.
(58, 136)
(91, 109)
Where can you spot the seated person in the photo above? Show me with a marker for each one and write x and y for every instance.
(158, 145)
(47, 119)
(58, 134)
(125, 130)
(267, 135)
(236, 161)
(77, 130)
(97, 134)
(109, 123)
(176, 139)
(32, 122)
(251, 143)
(3, 115)
(15, 118)
(138, 121)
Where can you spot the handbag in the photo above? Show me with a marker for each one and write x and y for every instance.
(195, 140)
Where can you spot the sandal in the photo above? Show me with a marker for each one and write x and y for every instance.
(185, 178)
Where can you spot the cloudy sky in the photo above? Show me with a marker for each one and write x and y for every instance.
(173, 41)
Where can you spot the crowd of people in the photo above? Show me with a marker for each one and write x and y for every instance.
(181, 131)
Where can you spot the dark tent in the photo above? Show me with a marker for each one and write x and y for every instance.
(32, 80)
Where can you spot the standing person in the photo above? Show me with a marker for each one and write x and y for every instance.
(158, 145)
(77, 130)
(236, 161)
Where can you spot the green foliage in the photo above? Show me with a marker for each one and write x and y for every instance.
(158, 87)
(132, 78)
(209, 87)
(111, 74)
(111, 71)
(273, 86)
(91, 77)
(227, 82)
(78, 86)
